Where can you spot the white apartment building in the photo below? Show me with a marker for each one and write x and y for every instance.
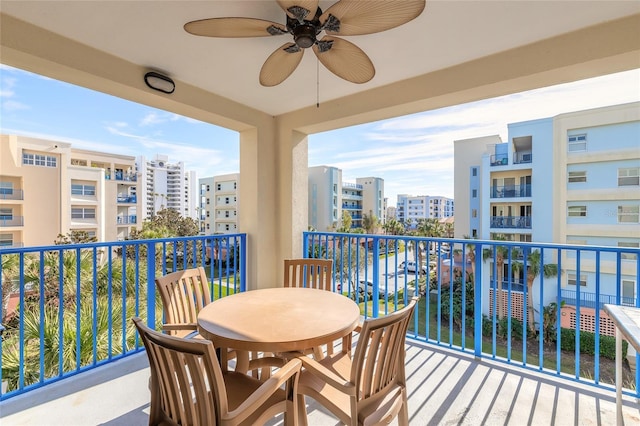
(415, 207)
(48, 188)
(329, 196)
(167, 185)
(219, 204)
(569, 179)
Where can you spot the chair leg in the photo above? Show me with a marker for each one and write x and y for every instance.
(403, 415)
(302, 410)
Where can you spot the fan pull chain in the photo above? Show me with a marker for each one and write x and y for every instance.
(317, 83)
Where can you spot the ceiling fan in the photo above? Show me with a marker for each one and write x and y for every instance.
(305, 21)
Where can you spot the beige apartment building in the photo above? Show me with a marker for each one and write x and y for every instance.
(48, 188)
(219, 204)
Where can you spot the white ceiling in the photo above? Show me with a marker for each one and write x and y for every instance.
(449, 32)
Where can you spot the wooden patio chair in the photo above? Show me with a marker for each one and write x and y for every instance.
(188, 386)
(311, 273)
(308, 273)
(184, 294)
(371, 387)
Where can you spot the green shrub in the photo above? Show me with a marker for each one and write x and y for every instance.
(502, 327)
(588, 343)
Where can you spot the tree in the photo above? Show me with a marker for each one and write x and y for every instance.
(533, 270)
(471, 256)
(346, 222)
(10, 264)
(501, 253)
(370, 223)
(393, 227)
(74, 237)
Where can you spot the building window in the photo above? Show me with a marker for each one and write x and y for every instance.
(208, 188)
(628, 256)
(474, 193)
(628, 292)
(575, 177)
(628, 214)
(226, 200)
(218, 187)
(577, 143)
(577, 211)
(83, 213)
(474, 171)
(572, 280)
(39, 160)
(226, 213)
(6, 188)
(474, 233)
(83, 189)
(629, 176)
(6, 240)
(474, 212)
(6, 214)
(235, 185)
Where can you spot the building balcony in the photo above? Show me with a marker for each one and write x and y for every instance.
(510, 222)
(511, 191)
(499, 160)
(11, 194)
(445, 386)
(127, 220)
(127, 199)
(9, 221)
(459, 368)
(522, 158)
(592, 300)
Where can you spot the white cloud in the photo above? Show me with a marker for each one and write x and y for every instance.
(150, 119)
(13, 105)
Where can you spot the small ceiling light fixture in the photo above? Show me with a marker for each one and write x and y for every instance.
(159, 82)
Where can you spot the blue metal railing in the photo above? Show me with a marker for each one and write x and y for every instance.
(75, 302)
(588, 299)
(458, 316)
(126, 199)
(517, 222)
(510, 191)
(94, 290)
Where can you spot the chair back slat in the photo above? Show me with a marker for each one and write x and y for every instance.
(308, 273)
(378, 360)
(184, 372)
(184, 294)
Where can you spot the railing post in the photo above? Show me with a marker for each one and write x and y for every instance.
(375, 291)
(243, 262)
(151, 284)
(477, 303)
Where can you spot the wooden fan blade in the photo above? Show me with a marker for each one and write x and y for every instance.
(309, 5)
(345, 59)
(367, 17)
(234, 27)
(280, 64)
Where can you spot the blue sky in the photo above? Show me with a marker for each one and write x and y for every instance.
(413, 154)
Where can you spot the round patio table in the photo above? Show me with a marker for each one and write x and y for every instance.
(278, 320)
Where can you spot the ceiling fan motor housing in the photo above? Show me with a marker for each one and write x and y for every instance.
(304, 31)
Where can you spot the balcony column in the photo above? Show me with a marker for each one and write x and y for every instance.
(272, 202)
(257, 203)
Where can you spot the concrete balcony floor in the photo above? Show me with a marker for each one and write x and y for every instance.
(445, 388)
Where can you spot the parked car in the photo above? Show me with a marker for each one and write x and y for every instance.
(410, 266)
(382, 291)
